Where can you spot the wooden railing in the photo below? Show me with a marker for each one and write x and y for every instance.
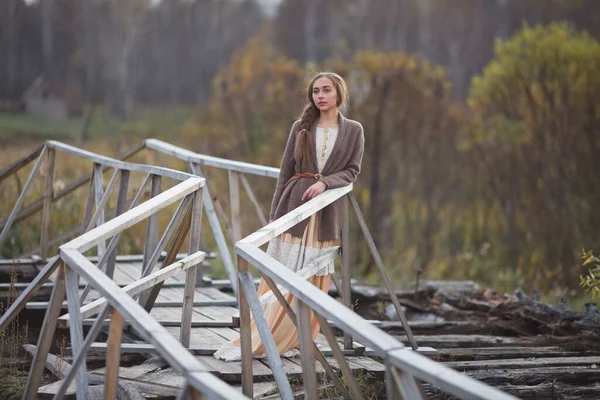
(236, 172)
(404, 367)
(97, 195)
(71, 264)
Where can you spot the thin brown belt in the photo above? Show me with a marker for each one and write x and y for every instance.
(304, 175)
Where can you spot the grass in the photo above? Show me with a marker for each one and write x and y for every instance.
(148, 122)
(12, 379)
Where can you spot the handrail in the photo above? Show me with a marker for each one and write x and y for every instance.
(48, 150)
(402, 364)
(118, 164)
(72, 264)
(202, 159)
(132, 217)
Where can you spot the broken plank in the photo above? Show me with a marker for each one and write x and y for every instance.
(517, 363)
(492, 353)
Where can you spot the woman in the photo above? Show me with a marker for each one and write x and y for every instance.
(324, 151)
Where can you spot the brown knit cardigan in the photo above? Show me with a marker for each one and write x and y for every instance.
(341, 169)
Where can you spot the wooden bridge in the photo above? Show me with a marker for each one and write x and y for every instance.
(160, 303)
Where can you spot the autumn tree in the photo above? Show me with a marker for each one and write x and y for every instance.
(537, 105)
(410, 129)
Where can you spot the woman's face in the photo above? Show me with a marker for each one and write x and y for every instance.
(324, 94)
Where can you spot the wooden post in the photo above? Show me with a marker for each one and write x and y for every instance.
(346, 290)
(89, 203)
(213, 220)
(114, 356)
(47, 203)
(76, 330)
(318, 354)
(100, 205)
(79, 358)
(390, 384)
(190, 275)
(120, 208)
(152, 226)
(309, 373)
(46, 334)
(247, 286)
(98, 192)
(245, 335)
(407, 385)
(171, 253)
(381, 267)
(234, 201)
(182, 214)
(339, 356)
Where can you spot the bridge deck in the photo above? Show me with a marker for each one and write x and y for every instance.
(213, 327)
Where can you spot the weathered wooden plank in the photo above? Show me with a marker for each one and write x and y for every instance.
(382, 271)
(47, 202)
(169, 347)
(266, 337)
(135, 215)
(245, 333)
(519, 363)
(346, 275)
(81, 357)
(449, 380)
(339, 357)
(145, 387)
(151, 228)
(206, 382)
(176, 244)
(14, 309)
(318, 354)
(20, 163)
(219, 237)
(140, 285)
(120, 207)
(231, 372)
(306, 349)
(408, 387)
(21, 198)
(98, 194)
(553, 390)
(311, 269)
(292, 218)
(75, 329)
(234, 205)
(492, 353)
(45, 339)
(190, 277)
(449, 341)
(319, 301)
(535, 376)
(104, 196)
(113, 163)
(114, 355)
(201, 159)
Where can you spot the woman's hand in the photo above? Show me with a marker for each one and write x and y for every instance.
(314, 190)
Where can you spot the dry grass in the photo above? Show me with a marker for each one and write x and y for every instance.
(12, 339)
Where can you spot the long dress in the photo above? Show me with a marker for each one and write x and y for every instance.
(296, 253)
